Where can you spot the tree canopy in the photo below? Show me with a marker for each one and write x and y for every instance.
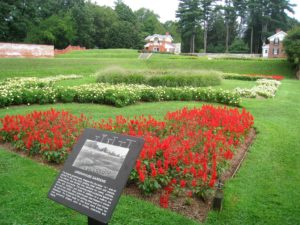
(202, 26)
(79, 22)
(292, 46)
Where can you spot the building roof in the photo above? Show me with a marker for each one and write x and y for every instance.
(280, 35)
(159, 36)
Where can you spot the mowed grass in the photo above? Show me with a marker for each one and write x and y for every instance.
(24, 187)
(102, 53)
(90, 61)
(265, 190)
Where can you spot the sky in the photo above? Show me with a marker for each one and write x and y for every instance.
(166, 8)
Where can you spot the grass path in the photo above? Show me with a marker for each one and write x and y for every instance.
(266, 189)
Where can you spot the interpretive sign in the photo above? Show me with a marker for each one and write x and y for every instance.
(96, 172)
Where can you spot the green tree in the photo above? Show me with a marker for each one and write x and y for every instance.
(189, 15)
(82, 15)
(206, 7)
(16, 16)
(230, 16)
(264, 17)
(292, 46)
(216, 34)
(241, 10)
(238, 46)
(56, 30)
(173, 28)
(149, 22)
(126, 32)
(103, 18)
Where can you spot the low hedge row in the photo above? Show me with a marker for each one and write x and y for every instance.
(122, 95)
(117, 95)
(156, 78)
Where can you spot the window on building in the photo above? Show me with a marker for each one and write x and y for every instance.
(276, 41)
(275, 51)
(266, 51)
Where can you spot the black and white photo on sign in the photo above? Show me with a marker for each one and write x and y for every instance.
(101, 158)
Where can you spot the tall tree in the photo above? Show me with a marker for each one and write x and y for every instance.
(216, 32)
(206, 7)
(84, 25)
(241, 10)
(56, 30)
(264, 17)
(291, 45)
(189, 15)
(126, 32)
(173, 28)
(230, 16)
(103, 18)
(149, 22)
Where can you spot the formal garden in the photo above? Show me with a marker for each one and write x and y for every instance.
(204, 121)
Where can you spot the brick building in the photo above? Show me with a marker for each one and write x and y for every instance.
(160, 43)
(274, 48)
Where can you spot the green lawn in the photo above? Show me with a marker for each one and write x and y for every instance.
(90, 61)
(265, 190)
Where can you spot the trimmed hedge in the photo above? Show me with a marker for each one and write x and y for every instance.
(160, 77)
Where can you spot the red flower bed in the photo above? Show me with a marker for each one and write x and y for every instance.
(50, 133)
(183, 154)
(275, 77)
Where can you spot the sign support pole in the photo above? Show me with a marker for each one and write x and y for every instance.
(91, 221)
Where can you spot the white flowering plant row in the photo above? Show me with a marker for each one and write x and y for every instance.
(264, 87)
(41, 91)
(121, 95)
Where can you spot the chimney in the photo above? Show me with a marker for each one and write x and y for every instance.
(167, 33)
(278, 30)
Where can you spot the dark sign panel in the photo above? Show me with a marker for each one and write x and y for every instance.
(96, 172)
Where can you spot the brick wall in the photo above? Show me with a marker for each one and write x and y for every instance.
(68, 49)
(10, 50)
(277, 48)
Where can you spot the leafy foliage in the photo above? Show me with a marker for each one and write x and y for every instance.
(166, 78)
(292, 46)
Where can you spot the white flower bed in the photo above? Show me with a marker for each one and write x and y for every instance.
(41, 91)
(265, 87)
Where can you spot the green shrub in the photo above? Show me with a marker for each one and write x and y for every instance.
(232, 76)
(178, 81)
(168, 78)
(118, 79)
(117, 95)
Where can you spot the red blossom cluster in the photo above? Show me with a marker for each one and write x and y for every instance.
(275, 77)
(186, 152)
(183, 154)
(50, 133)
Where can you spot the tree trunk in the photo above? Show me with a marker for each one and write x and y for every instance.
(205, 37)
(227, 37)
(251, 44)
(298, 72)
(192, 43)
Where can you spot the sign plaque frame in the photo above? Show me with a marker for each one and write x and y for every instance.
(95, 173)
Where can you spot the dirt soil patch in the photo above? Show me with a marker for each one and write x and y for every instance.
(194, 208)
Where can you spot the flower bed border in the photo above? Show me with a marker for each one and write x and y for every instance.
(200, 208)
